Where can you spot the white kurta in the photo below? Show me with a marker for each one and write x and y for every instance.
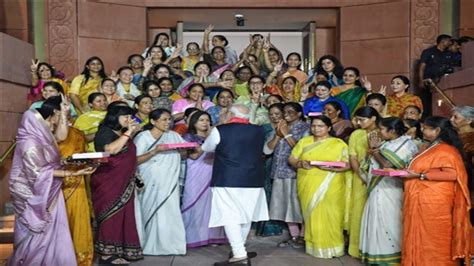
(234, 205)
(157, 211)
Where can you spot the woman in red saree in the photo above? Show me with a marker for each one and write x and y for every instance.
(436, 226)
(113, 188)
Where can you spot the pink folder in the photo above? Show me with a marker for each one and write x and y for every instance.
(184, 145)
(389, 172)
(330, 164)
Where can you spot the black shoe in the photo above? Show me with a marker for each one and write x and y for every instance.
(250, 254)
(245, 261)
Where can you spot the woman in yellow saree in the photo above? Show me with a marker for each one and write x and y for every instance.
(321, 189)
(356, 190)
(89, 121)
(74, 190)
(86, 83)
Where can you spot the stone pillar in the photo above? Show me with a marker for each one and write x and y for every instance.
(62, 36)
(425, 25)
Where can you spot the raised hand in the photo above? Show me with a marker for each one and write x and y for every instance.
(114, 76)
(177, 51)
(366, 83)
(266, 45)
(65, 104)
(209, 29)
(277, 68)
(227, 84)
(374, 140)
(132, 127)
(34, 65)
(383, 90)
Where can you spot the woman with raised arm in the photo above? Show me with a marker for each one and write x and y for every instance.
(356, 192)
(197, 197)
(284, 204)
(42, 73)
(381, 228)
(42, 235)
(218, 40)
(113, 189)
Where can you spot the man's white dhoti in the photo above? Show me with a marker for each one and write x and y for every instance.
(235, 205)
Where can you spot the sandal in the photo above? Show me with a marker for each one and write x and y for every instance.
(287, 243)
(112, 260)
(299, 243)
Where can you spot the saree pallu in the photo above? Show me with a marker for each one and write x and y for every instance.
(380, 237)
(354, 98)
(74, 190)
(321, 195)
(158, 214)
(113, 188)
(83, 89)
(436, 226)
(356, 190)
(89, 124)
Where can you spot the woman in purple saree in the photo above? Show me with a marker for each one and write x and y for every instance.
(42, 234)
(196, 207)
(113, 188)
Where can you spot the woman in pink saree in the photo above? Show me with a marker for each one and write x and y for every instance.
(42, 235)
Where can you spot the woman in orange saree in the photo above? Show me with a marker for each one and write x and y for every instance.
(436, 226)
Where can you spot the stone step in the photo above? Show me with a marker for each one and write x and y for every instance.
(7, 221)
(6, 235)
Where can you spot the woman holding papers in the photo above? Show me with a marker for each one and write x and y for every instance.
(158, 215)
(113, 187)
(197, 197)
(436, 227)
(321, 188)
(380, 233)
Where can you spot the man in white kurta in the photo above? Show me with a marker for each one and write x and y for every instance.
(238, 197)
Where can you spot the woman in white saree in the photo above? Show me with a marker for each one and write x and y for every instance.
(380, 233)
(157, 211)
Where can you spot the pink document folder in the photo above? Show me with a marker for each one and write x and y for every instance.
(184, 145)
(330, 164)
(385, 172)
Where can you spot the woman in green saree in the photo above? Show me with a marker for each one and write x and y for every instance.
(352, 92)
(321, 189)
